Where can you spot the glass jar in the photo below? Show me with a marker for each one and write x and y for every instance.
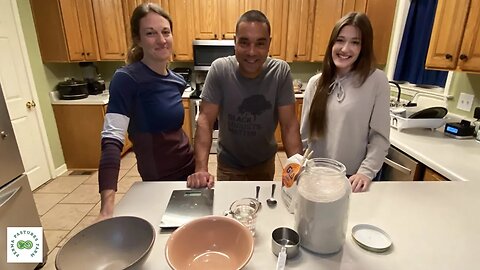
(321, 213)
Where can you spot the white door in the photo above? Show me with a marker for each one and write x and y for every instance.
(18, 89)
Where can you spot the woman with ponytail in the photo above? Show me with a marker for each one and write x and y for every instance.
(146, 101)
(346, 107)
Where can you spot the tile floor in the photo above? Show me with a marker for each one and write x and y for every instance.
(69, 203)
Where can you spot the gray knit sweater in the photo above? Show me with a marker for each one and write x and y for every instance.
(358, 129)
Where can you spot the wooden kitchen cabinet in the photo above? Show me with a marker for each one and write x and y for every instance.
(110, 29)
(454, 44)
(65, 30)
(380, 13)
(431, 175)
(187, 122)
(181, 13)
(327, 13)
(79, 30)
(206, 19)
(301, 15)
(277, 13)
(79, 129)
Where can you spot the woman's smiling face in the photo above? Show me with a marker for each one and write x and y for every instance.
(346, 49)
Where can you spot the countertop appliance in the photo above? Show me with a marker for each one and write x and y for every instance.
(17, 207)
(207, 51)
(461, 130)
(72, 89)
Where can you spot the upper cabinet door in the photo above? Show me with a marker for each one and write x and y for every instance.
(206, 19)
(182, 17)
(71, 25)
(277, 13)
(447, 34)
(87, 29)
(230, 11)
(327, 13)
(469, 58)
(299, 34)
(110, 29)
(381, 14)
(353, 5)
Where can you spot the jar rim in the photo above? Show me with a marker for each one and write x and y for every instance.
(331, 163)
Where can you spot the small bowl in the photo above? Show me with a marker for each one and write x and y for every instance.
(114, 243)
(211, 242)
(287, 237)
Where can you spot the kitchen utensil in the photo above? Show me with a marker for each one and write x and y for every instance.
(271, 202)
(432, 112)
(371, 238)
(321, 206)
(285, 238)
(212, 242)
(257, 191)
(115, 243)
(245, 210)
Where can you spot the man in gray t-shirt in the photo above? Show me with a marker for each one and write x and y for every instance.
(249, 93)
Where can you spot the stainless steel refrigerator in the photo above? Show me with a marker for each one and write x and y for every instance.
(17, 207)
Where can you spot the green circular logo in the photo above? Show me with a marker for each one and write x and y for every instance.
(24, 244)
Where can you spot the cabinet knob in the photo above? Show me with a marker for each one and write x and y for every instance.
(463, 57)
(88, 53)
(83, 54)
(223, 36)
(296, 56)
(215, 36)
(448, 56)
(122, 54)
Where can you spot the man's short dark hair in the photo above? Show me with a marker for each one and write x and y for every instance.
(253, 16)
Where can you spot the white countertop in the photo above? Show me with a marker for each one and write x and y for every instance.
(100, 99)
(455, 159)
(433, 225)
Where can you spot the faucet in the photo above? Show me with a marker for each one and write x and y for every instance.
(399, 90)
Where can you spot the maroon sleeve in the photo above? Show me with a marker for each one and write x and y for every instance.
(109, 164)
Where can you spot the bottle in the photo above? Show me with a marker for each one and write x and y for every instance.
(321, 207)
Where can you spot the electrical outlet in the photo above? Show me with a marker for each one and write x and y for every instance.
(465, 102)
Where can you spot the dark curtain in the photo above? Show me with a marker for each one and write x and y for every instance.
(413, 50)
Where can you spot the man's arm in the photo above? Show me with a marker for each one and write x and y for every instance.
(203, 142)
(290, 130)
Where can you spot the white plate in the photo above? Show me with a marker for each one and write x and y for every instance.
(371, 238)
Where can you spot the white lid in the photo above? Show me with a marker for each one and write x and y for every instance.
(371, 238)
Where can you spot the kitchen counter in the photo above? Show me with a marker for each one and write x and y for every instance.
(453, 158)
(432, 225)
(100, 99)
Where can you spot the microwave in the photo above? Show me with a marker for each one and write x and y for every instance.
(207, 51)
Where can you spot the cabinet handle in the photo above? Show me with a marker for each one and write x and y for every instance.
(3, 135)
(463, 57)
(448, 56)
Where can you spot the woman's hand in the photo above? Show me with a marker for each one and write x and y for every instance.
(200, 180)
(359, 182)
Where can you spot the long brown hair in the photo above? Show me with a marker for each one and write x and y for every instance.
(363, 67)
(135, 52)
